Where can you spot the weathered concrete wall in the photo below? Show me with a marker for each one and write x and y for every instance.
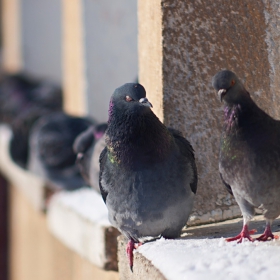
(196, 40)
(41, 38)
(272, 39)
(99, 53)
(110, 42)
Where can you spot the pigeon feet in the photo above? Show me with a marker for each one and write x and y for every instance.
(245, 233)
(131, 245)
(267, 235)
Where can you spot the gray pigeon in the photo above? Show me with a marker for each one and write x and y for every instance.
(51, 155)
(23, 100)
(148, 176)
(88, 146)
(249, 161)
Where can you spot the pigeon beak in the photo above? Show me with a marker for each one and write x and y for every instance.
(144, 101)
(221, 94)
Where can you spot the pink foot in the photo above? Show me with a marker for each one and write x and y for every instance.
(267, 234)
(131, 245)
(245, 233)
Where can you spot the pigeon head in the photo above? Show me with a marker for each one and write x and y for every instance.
(83, 141)
(130, 97)
(229, 87)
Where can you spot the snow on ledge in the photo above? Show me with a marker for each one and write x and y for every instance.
(203, 253)
(79, 219)
(213, 259)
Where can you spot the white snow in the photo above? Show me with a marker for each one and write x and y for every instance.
(85, 202)
(200, 259)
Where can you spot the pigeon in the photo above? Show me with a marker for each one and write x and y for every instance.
(88, 146)
(42, 98)
(148, 176)
(19, 91)
(249, 158)
(50, 150)
(14, 89)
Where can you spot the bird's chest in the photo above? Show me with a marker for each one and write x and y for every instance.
(138, 190)
(252, 161)
(233, 151)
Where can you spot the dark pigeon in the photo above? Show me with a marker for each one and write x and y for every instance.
(148, 176)
(51, 155)
(249, 161)
(14, 91)
(27, 103)
(19, 91)
(88, 146)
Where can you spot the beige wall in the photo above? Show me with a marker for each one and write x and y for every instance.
(73, 64)
(11, 40)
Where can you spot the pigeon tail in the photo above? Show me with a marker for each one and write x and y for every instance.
(245, 233)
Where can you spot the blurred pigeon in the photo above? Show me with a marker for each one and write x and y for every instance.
(148, 176)
(51, 155)
(88, 147)
(249, 161)
(14, 90)
(25, 101)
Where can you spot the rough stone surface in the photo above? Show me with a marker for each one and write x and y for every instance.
(272, 39)
(197, 40)
(142, 268)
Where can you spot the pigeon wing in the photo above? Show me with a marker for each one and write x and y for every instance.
(187, 151)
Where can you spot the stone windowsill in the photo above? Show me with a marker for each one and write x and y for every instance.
(79, 220)
(203, 253)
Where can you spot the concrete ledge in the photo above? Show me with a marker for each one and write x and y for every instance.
(203, 253)
(31, 185)
(79, 220)
(143, 269)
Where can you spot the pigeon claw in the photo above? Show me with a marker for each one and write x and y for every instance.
(267, 235)
(245, 233)
(129, 253)
(131, 245)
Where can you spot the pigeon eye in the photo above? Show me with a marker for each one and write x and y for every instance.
(128, 98)
(232, 82)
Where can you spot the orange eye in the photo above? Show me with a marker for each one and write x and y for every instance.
(128, 98)
(232, 82)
